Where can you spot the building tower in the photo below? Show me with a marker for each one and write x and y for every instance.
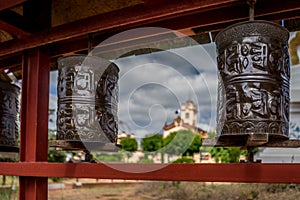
(189, 113)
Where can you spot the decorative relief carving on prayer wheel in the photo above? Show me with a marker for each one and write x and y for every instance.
(87, 99)
(254, 74)
(9, 110)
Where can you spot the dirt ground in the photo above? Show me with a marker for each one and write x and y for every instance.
(178, 191)
(105, 191)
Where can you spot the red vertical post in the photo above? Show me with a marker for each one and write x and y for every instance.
(34, 120)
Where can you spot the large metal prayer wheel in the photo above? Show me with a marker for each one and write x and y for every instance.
(254, 75)
(87, 100)
(9, 109)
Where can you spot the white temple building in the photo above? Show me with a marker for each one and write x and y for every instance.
(186, 121)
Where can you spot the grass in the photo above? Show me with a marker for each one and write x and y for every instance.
(219, 191)
(6, 193)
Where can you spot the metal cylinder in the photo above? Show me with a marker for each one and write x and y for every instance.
(254, 75)
(87, 99)
(9, 110)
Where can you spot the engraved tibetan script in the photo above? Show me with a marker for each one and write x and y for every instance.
(253, 80)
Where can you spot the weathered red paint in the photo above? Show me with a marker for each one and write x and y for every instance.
(243, 172)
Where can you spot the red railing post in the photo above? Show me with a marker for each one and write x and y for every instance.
(34, 120)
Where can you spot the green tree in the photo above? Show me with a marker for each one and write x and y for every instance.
(182, 143)
(109, 157)
(129, 144)
(152, 143)
(234, 154)
(195, 146)
(184, 160)
(145, 161)
(226, 154)
(55, 155)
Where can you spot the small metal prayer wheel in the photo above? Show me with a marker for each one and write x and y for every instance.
(87, 100)
(254, 75)
(9, 109)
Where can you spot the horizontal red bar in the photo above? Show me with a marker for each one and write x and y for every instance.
(13, 30)
(244, 172)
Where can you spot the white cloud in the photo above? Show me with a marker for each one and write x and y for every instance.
(164, 81)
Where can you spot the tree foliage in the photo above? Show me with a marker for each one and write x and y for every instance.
(226, 154)
(184, 160)
(182, 143)
(53, 154)
(145, 161)
(56, 156)
(152, 143)
(195, 146)
(109, 157)
(129, 144)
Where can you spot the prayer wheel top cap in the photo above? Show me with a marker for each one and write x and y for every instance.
(258, 28)
(76, 59)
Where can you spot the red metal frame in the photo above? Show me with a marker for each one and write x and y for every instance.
(12, 29)
(33, 168)
(243, 172)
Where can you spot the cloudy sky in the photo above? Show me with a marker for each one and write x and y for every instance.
(153, 86)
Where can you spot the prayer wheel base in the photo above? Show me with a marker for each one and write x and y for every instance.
(234, 142)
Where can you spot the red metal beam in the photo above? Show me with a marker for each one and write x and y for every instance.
(13, 30)
(264, 11)
(255, 172)
(121, 19)
(14, 61)
(4, 4)
(219, 19)
(34, 120)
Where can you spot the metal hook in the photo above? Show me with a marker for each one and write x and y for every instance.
(251, 4)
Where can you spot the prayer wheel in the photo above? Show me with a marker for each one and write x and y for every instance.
(254, 76)
(9, 101)
(87, 100)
